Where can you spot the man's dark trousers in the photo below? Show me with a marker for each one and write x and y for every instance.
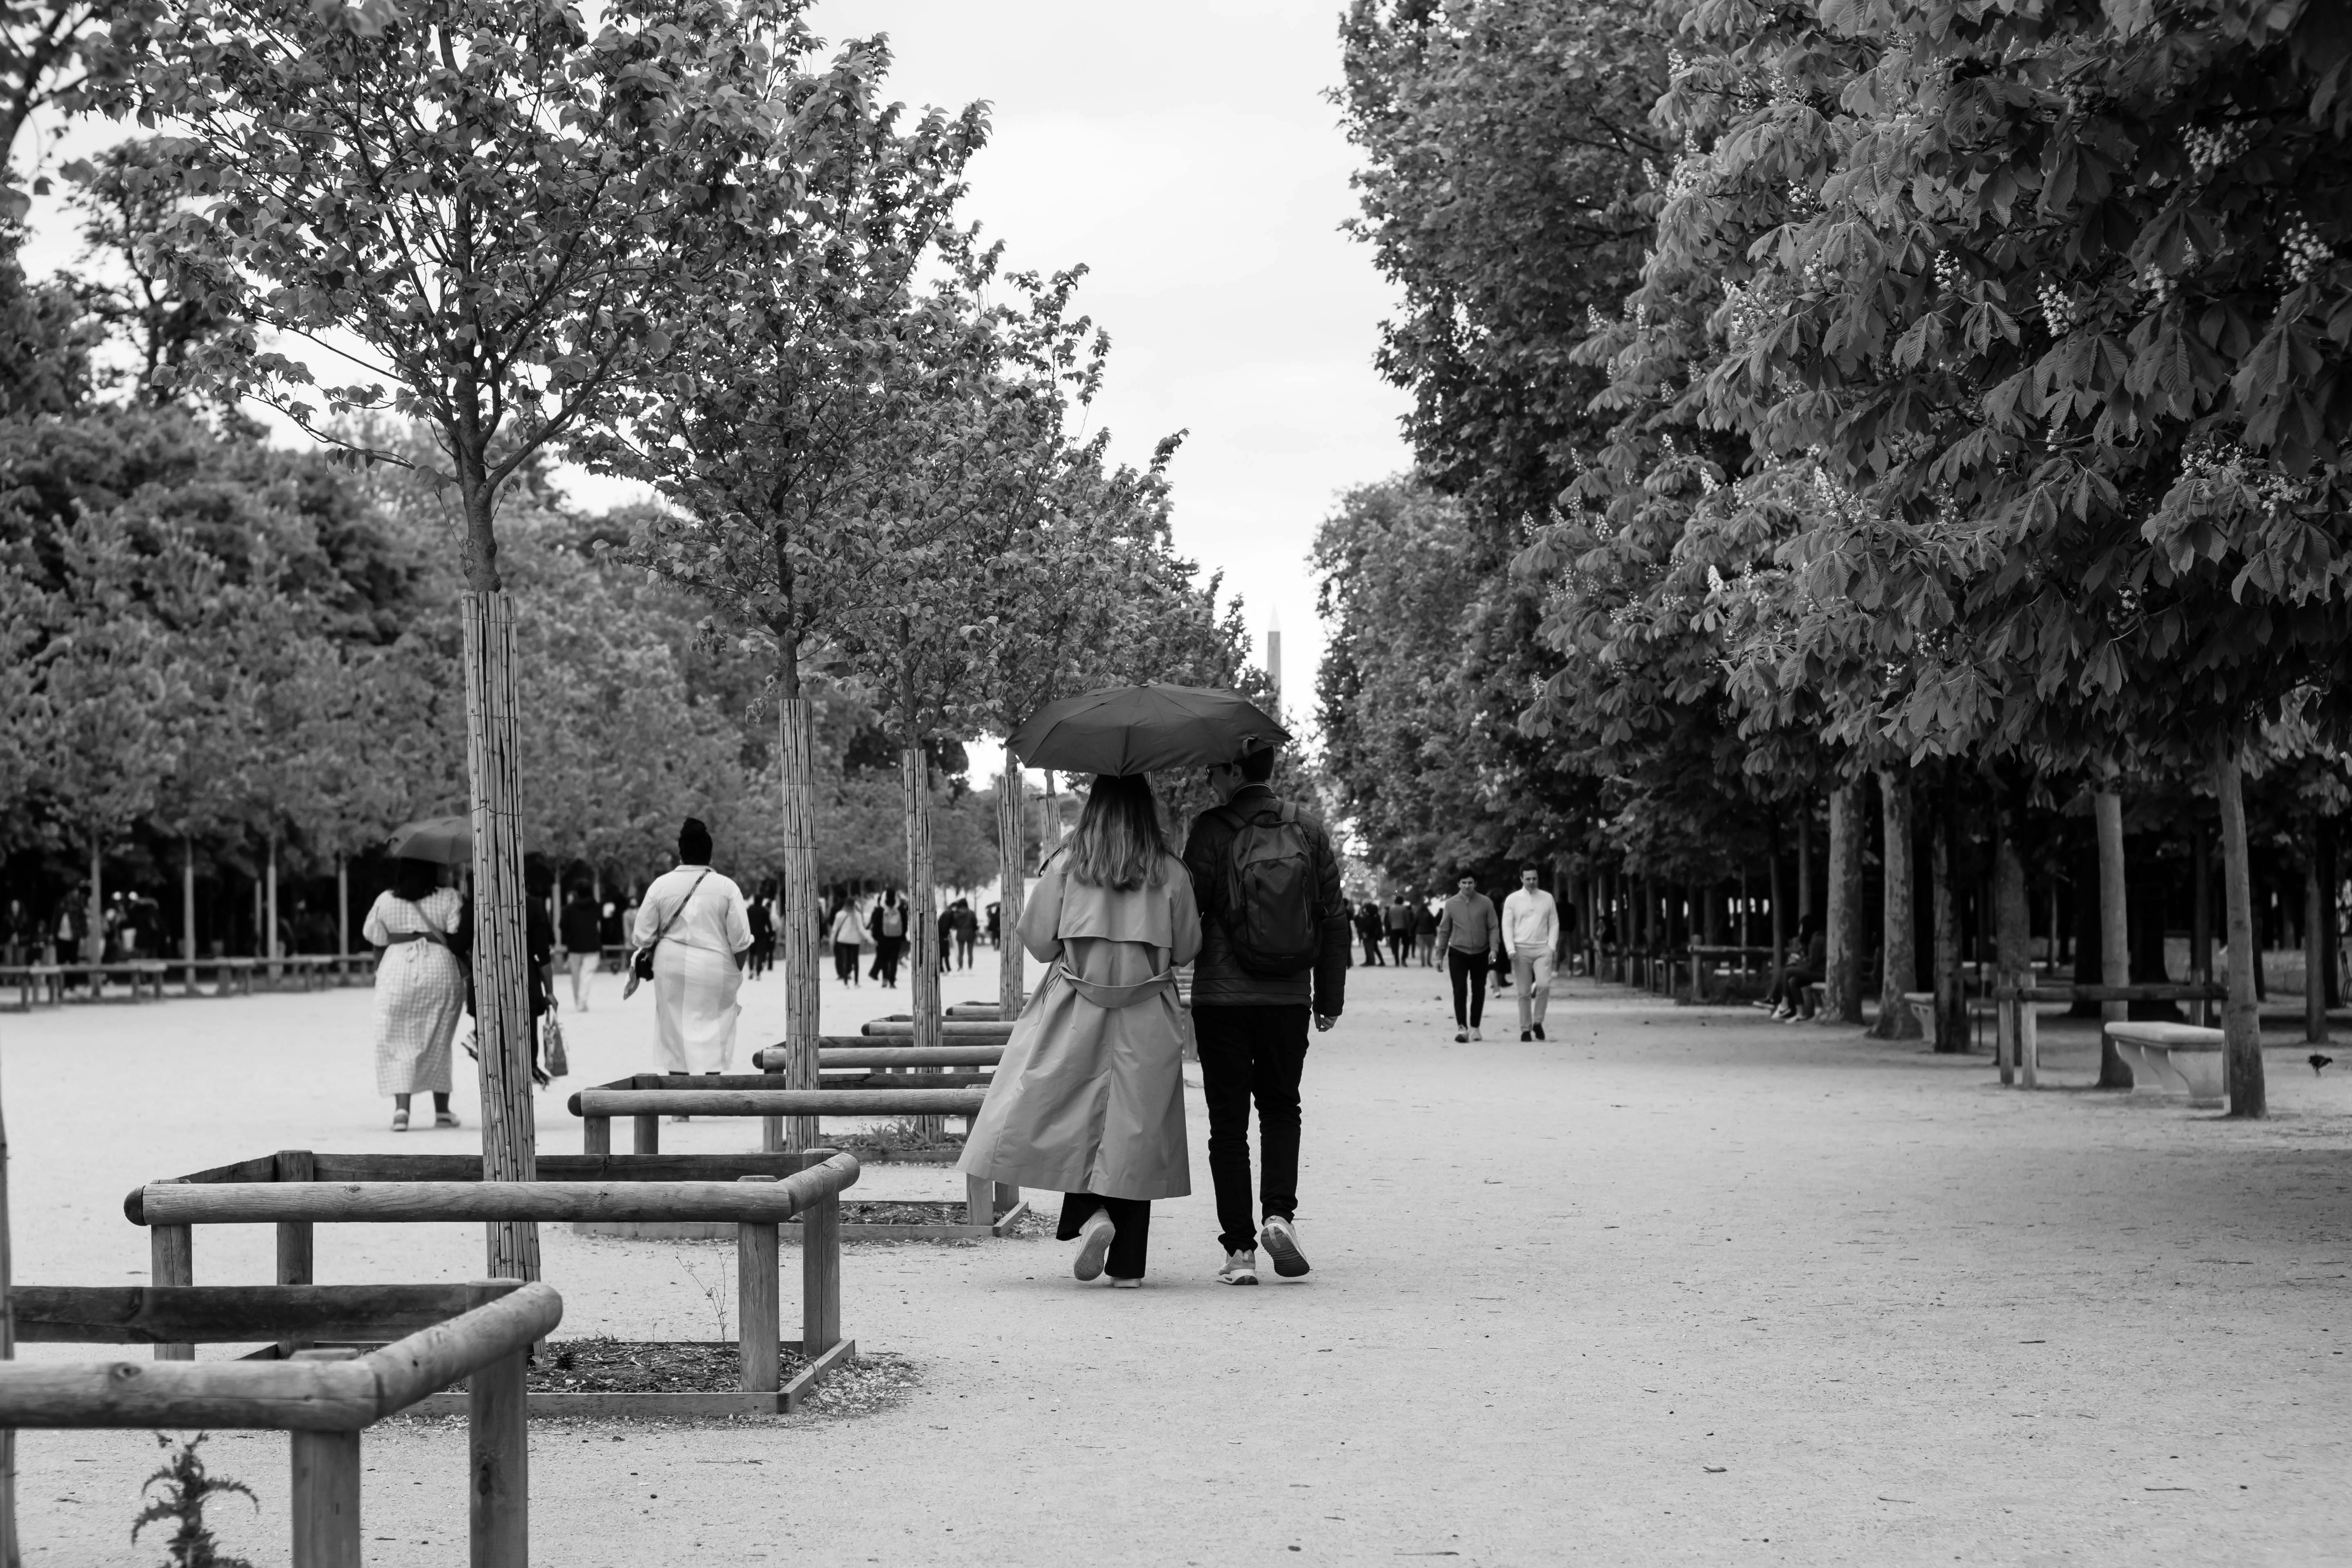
(1252, 1053)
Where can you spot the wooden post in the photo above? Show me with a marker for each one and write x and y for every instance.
(10, 1555)
(922, 920)
(1898, 960)
(172, 1260)
(2114, 930)
(1008, 1198)
(269, 906)
(759, 1310)
(595, 1135)
(802, 945)
(2012, 926)
(498, 1443)
(1012, 890)
(2242, 1049)
(649, 1134)
(820, 1276)
(502, 1033)
(188, 911)
(326, 1490)
(295, 1253)
(343, 913)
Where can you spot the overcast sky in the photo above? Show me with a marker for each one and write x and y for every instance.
(1187, 156)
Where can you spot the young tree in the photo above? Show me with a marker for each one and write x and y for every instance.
(489, 211)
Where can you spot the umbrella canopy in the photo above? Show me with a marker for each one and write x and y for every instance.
(445, 840)
(1143, 729)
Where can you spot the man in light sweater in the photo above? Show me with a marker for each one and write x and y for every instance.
(1530, 934)
(1470, 935)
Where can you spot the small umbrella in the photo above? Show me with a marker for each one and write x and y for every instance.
(445, 840)
(1143, 729)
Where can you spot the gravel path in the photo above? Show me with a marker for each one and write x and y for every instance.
(1680, 1286)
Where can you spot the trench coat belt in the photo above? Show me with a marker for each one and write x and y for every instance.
(395, 939)
(1113, 997)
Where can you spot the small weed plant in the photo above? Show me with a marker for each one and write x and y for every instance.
(178, 1492)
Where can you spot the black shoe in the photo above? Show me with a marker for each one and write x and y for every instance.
(1524, 1035)
(1540, 1034)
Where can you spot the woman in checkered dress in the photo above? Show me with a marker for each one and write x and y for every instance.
(420, 988)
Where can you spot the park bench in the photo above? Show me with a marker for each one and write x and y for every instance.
(2183, 1057)
(296, 1190)
(322, 1397)
(48, 984)
(989, 1208)
(1709, 959)
(2017, 1039)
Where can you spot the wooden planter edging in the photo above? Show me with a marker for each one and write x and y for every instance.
(613, 1407)
(690, 1230)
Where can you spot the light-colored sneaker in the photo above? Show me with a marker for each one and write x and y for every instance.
(1476, 1036)
(1280, 1239)
(1094, 1237)
(400, 1122)
(1119, 1284)
(1241, 1268)
(444, 1118)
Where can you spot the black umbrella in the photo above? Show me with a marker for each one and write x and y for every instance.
(1143, 729)
(444, 840)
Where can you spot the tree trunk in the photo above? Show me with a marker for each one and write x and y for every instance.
(502, 1028)
(188, 904)
(2115, 929)
(93, 941)
(1951, 1001)
(2242, 1049)
(1897, 959)
(2013, 939)
(804, 941)
(2200, 918)
(1011, 891)
(1842, 990)
(269, 909)
(2316, 946)
(1805, 860)
(922, 925)
(10, 1556)
(343, 907)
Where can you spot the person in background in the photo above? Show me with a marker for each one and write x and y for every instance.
(1398, 920)
(967, 933)
(1807, 963)
(1472, 937)
(420, 987)
(995, 924)
(1424, 928)
(762, 919)
(1090, 1101)
(888, 926)
(1273, 955)
(847, 936)
(1530, 932)
(582, 935)
(695, 920)
(1368, 931)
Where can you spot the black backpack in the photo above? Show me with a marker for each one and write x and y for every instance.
(1270, 914)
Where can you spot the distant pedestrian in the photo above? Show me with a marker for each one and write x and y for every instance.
(848, 938)
(1471, 935)
(1807, 962)
(1089, 1099)
(888, 925)
(695, 920)
(1274, 953)
(761, 916)
(1368, 931)
(420, 987)
(583, 943)
(995, 924)
(1425, 928)
(967, 933)
(1398, 920)
(1530, 934)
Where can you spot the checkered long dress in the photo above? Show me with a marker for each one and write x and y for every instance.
(420, 992)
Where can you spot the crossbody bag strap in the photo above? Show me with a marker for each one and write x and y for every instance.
(680, 910)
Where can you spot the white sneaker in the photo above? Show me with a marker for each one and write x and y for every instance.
(1119, 1284)
(1476, 1036)
(1094, 1245)
(1241, 1268)
(1280, 1239)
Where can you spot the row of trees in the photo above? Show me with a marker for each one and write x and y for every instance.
(1903, 390)
(687, 246)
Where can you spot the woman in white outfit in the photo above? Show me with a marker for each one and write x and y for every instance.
(420, 988)
(695, 922)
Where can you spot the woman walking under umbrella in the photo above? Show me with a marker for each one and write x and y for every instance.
(696, 922)
(1089, 1099)
(420, 987)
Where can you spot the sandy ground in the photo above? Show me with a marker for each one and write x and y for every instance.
(1679, 1286)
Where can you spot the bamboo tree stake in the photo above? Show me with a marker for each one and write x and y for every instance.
(796, 748)
(9, 1556)
(922, 927)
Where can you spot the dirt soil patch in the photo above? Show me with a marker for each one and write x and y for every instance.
(604, 1365)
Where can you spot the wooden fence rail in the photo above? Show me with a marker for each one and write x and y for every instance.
(322, 1399)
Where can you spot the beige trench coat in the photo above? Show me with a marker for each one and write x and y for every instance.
(1090, 1095)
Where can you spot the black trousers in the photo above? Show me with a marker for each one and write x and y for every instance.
(887, 949)
(1131, 1216)
(844, 963)
(1400, 943)
(1372, 951)
(1468, 972)
(1252, 1055)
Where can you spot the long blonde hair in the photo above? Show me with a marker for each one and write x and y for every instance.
(1119, 843)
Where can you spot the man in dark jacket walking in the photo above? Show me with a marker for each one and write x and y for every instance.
(1252, 1027)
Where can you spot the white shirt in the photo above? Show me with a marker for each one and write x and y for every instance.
(716, 920)
(1530, 921)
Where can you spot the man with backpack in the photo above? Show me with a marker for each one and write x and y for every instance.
(1273, 954)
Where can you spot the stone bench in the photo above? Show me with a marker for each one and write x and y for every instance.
(2181, 1058)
